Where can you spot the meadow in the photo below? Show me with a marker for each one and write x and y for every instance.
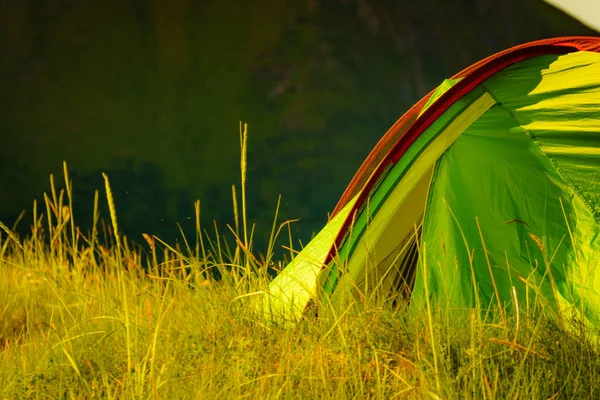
(95, 315)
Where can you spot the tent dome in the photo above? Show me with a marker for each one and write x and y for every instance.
(486, 192)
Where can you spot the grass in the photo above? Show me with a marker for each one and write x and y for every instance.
(83, 317)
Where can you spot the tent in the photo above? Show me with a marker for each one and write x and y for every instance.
(486, 192)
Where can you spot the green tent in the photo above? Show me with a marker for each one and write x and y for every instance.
(486, 192)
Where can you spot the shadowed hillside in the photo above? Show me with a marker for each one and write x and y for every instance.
(151, 92)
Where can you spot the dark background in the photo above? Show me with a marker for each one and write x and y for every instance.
(152, 92)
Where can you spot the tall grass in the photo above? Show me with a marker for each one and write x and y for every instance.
(92, 316)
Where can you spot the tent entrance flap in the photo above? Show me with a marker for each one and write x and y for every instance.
(398, 218)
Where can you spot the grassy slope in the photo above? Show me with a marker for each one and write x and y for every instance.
(102, 83)
(110, 321)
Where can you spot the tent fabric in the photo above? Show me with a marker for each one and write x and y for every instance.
(476, 73)
(297, 284)
(486, 192)
(407, 175)
(522, 181)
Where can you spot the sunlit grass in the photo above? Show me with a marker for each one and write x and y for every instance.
(91, 315)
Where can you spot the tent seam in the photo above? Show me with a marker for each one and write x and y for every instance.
(378, 206)
(538, 145)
